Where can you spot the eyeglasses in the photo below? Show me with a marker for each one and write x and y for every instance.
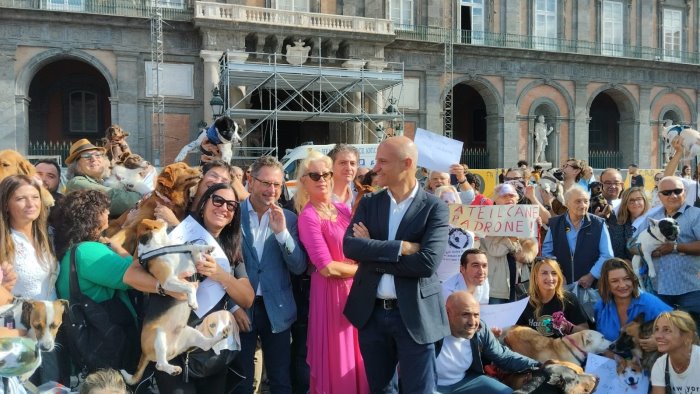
(315, 176)
(612, 184)
(95, 155)
(219, 201)
(543, 258)
(572, 166)
(636, 201)
(267, 184)
(667, 193)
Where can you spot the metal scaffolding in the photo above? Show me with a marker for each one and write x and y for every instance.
(320, 90)
(158, 109)
(448, 73)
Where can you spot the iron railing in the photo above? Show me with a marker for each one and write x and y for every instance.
(506, 40)
(49, 148)
(475, 158)
(171, 9)
(605, 159)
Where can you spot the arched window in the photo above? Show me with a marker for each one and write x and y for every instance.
(83, 112)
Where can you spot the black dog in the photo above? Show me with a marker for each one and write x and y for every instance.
(598, 202)
(557, 378)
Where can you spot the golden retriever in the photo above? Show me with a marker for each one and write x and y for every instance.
(13, 163)
(572, 348)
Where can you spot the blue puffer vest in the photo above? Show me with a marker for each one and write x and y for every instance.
(587, 250)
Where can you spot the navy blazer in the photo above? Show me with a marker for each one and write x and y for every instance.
(417, 286)
(272, 270)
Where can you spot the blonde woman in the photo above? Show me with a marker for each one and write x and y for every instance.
(333, 356)
(676, 336)
(552, 311)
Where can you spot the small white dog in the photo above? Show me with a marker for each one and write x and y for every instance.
(127, 174)
(690, 139)
(658, 232)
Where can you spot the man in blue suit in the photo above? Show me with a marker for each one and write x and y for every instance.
(271, 250)
(398, 237)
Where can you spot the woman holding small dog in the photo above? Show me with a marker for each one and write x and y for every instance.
(86, 170)
(677, 370)
(552, 311)
(621, 301)
(633, 204)
(333, 356)
(218, 211)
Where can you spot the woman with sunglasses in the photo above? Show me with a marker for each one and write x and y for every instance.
(219, 213)
(86, 171)
(551, 310)
(572, 170)
(333, 356)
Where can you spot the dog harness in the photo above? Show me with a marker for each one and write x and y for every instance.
(144, 258)
(572, 343)
(7, 318)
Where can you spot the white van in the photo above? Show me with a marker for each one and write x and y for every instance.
(293, 158)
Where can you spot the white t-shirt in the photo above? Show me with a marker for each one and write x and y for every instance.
(456, 283)
(686, 382)
(454, 360)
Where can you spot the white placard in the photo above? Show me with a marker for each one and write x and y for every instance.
(176, 80)
(610, 382)
(503, 315)
(209, 291)
(436, 152)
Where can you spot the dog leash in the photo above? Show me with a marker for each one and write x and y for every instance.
(572, 343)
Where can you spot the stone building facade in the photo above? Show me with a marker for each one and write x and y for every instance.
(605, 74)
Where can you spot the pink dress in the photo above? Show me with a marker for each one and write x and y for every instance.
(333, 348)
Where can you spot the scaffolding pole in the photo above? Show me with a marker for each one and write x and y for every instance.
(448, 72)
(158, 109)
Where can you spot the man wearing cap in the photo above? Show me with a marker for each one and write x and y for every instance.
(86, 168)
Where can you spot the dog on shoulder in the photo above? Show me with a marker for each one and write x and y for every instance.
(658, 232)
(223, 133)
(165, 333)
(572, 348)
(172, 190)
(39, 319)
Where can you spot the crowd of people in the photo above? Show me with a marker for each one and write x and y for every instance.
(345, 292)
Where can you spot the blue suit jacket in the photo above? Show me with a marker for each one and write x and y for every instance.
(418, 289)
(271, 270)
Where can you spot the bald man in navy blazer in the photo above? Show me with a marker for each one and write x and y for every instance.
(398, 237)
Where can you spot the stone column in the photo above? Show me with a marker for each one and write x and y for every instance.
(508, 154)
(578, 136)
(211, 79)
(644, 136)
(434, 106)
(13, 110)
(21, 140)
(125, 103)
(355, 106)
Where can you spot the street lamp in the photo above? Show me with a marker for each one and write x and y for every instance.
(216, 103)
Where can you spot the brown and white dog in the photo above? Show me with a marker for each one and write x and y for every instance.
(126, 173)
(165, 333)
(628, 346)
(572, 348)
(172, 190)
(559, 377)
(115, 142)
(39, 319)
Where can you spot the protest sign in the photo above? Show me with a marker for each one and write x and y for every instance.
(503, 315)
(436, 152)
(496, 220)
(628, 381)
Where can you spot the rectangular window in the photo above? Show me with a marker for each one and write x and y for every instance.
(673, 27)
(292, 5)
(472, 23)
(82, 112)
(176, 4)
(545, 29)
(401, 14)
(611, 26)
(65, 5)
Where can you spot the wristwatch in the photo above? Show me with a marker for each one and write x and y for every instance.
(675, 247)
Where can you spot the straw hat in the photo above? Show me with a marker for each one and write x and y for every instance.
(81, 146)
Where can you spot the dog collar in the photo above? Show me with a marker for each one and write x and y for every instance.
(162, 197)
(173, 249)
(652, 234)
(572, 343)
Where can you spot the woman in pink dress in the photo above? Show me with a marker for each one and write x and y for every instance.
(333, 348)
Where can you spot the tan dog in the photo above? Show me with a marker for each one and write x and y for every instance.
(13, 163)
(172, 190)
(559, 377)
(115, 142)
(39, 319)
(165, 332)
(572, 348)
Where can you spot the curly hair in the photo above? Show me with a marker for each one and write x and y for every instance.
(230, 236)
(79, 219)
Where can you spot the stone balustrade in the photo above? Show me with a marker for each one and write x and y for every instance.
(310, 20)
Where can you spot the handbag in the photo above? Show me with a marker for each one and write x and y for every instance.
(198, 363)
(522, 290)
(100, 334)
(587, 298)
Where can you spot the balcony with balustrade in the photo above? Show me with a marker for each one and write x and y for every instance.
(179, 10)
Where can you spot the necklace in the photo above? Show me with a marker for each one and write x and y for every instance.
(325, 210)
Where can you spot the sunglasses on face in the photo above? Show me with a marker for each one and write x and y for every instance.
(667, 193)
(95, 155)
(315, 176)
(219, 201)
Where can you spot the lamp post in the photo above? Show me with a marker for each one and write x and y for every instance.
(216, 103)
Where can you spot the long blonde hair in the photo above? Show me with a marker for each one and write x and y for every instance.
(8, 187)
(534, 291)
(624, 213)
(301, 197)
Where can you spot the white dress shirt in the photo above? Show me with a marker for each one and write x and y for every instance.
(456, 283)
(386, 288)
(454, 360)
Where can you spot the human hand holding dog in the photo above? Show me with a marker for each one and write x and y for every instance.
(166, 214)
(663, 249)
(208, 267)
